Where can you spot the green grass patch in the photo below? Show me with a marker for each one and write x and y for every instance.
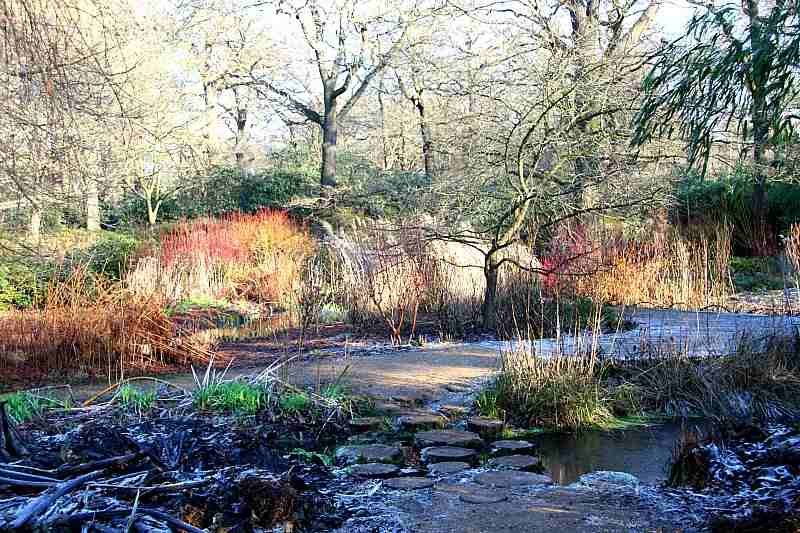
(136, 400)
(23, 406)
(231, 396)
(313, 457)
(295, 402)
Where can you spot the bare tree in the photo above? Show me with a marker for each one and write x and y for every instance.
(59, 91)
(348, 47)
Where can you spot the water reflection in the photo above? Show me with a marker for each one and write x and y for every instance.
(643, 452)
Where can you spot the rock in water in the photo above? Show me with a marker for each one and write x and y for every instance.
(511, 447)
(511, 478)
(517, 462)
(409, 483)
(448, 437)
(414, 423)
(374, 470)
(486, 427)
(448, 467)
(371, 453)
(440, 454)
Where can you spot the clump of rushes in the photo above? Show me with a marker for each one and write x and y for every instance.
(295, 402)
(231, 396)
(22, 406)
(486, 403)
(136, 400)
(556, 392)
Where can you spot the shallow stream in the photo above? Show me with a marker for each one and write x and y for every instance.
(641, 451)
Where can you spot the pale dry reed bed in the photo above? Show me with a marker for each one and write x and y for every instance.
(89, 326)
(756, 383)
(663, 270)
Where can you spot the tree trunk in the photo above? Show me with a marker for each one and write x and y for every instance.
(329, 131)
(427, 139)
(152, 210)
(489, 310)
(758, 115)
(382, 109)
(92, 206)
(35, 227)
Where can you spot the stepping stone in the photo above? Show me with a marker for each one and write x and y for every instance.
(409, 401)
(485, 427)
(448, 437)
(388, 408)
(511, 447)
(471, 493)
(367, 423)
(374, 470)
(414, 423)
(483, 497)
(511, 478)
(444, 454)
(448, 467)
(452, 411)
(369, 453)
(409, 483)
(517, 462)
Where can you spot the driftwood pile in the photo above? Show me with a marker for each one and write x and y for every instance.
(191, 473)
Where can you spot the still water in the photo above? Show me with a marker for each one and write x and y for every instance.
(642, 451)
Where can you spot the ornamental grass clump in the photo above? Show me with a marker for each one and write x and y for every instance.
(559, 392)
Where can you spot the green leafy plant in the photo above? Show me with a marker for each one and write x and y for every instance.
(136, 400)
(486, 404)
(313, 457)
(22, 406)
(231, 396)
(295, 402)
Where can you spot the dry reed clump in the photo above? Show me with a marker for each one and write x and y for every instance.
(672, 271)
(91, 326)
(760, 382)
(791, 243)
(257, 257)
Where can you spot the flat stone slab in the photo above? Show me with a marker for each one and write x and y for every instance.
(443, 454)
(483, 497)
(472, 493)
(408, 483)
(367, 423)
(369, 453)
(448, 467)
(511, 478)
(448, 437)
(511, 447)
(414, 423)
(516, 462)
(374, 470)
(484, 426)
(388, 408)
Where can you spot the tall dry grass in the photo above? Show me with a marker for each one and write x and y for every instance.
(561, 392)
(758, 382)
(256, 257)
(91, 326)
(671, 271)
(791, 243)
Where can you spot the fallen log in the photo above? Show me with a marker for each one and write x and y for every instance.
(14, 482)
(44, 501)
(14, 474)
